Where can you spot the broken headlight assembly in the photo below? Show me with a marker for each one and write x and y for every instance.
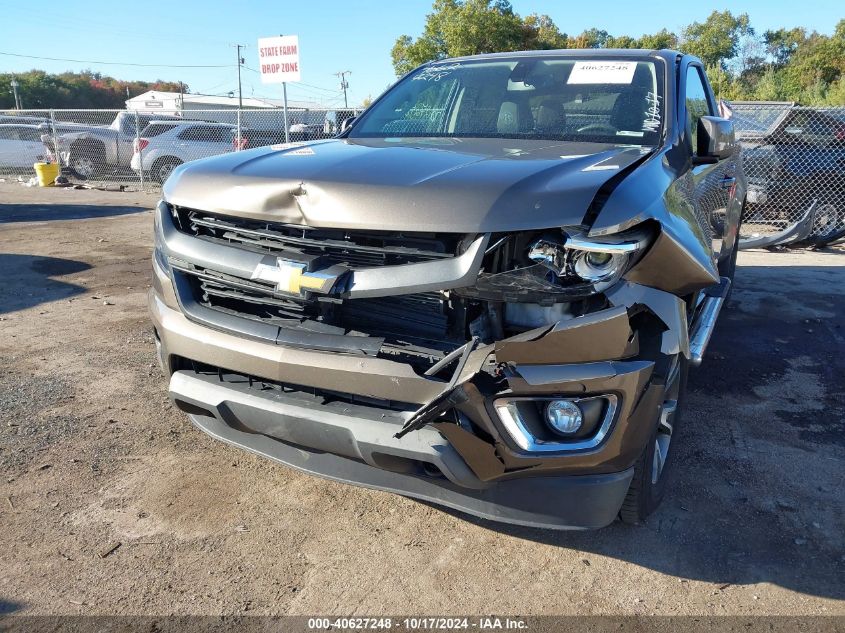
(556, 266)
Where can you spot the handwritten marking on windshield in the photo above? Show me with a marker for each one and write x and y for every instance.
(651, 123)
(436, 73)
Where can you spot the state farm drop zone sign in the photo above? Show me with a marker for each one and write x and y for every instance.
(278, 59)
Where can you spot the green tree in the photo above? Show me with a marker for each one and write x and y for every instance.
(661, 39)
(541, 33)
(782, 44)
(817, 61)
(723, 83)
(470, 27)
(591, 38)
(770, 87)
(716, 40)
(86, 89)
(781, 65)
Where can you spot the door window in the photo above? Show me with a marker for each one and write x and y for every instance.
(204, 134)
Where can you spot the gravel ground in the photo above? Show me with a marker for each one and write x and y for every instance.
(111, 503)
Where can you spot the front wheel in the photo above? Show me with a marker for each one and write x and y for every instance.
(163, 167)
(86, 162)
(654, 466)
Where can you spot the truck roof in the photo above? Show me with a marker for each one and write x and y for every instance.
(668, 55)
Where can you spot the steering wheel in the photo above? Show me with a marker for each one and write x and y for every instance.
(600, 128)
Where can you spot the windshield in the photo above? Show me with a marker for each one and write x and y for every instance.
(558, 98)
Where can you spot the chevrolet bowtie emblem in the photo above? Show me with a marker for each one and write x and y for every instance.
(292, 278)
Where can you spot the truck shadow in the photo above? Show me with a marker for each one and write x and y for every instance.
(756, 494)
(8, 607)
(27, 280)
(10, 213)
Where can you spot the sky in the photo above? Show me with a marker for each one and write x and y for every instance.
(334, 35)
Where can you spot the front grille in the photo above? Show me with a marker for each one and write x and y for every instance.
(415, 326)
(356, 249)
(248, 298)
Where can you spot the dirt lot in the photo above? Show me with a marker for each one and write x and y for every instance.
(93, 457)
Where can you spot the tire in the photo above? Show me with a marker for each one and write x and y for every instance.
(829, 222)
(163, 167)
(654, 467)
(87, 160)
(728, 269)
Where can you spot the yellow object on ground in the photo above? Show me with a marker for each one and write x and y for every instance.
(47, 173)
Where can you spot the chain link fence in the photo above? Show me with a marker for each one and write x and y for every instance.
(794, 157)
(794, 160)
(140, 149)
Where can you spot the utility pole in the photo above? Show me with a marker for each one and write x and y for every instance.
(344, 85)
(240, 63)
(15, 85)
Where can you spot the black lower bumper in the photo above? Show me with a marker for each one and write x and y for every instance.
(352, 445)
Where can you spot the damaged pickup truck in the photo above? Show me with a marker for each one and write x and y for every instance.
(485, 293)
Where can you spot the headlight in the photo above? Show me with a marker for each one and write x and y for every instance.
(558, 266)
(158, 238)
(601, 261)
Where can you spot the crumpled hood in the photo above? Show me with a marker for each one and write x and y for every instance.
(436, 184)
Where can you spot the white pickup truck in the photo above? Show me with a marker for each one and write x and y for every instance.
(91, 150)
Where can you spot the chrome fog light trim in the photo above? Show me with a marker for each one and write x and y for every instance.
(515, 426)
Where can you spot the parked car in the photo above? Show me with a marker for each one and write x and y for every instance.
(305, 131)
(485, 294)
(20, 146)
(335, 119)
(93, 149)
(794, 159)
(167, 144)
(248, 139)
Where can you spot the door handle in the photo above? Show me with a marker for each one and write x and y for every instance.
(727, 182)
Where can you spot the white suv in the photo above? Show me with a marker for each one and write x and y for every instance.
(166, 144)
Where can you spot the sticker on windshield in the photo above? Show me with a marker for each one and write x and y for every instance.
(602, 73)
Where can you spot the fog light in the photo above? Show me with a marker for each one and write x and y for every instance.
(564, 416)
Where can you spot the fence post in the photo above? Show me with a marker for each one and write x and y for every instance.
(58, 156)
(238, 137)
(138, 147)
(285, 106)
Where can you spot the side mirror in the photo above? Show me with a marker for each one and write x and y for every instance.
(346, 123)
(716, 140)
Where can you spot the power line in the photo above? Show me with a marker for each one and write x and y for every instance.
(90, 61)
(298, 83)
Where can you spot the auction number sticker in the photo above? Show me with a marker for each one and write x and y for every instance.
(602, 73)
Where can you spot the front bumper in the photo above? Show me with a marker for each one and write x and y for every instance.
(440, 463)
(374, 459)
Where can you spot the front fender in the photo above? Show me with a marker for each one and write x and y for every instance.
(661, 190)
